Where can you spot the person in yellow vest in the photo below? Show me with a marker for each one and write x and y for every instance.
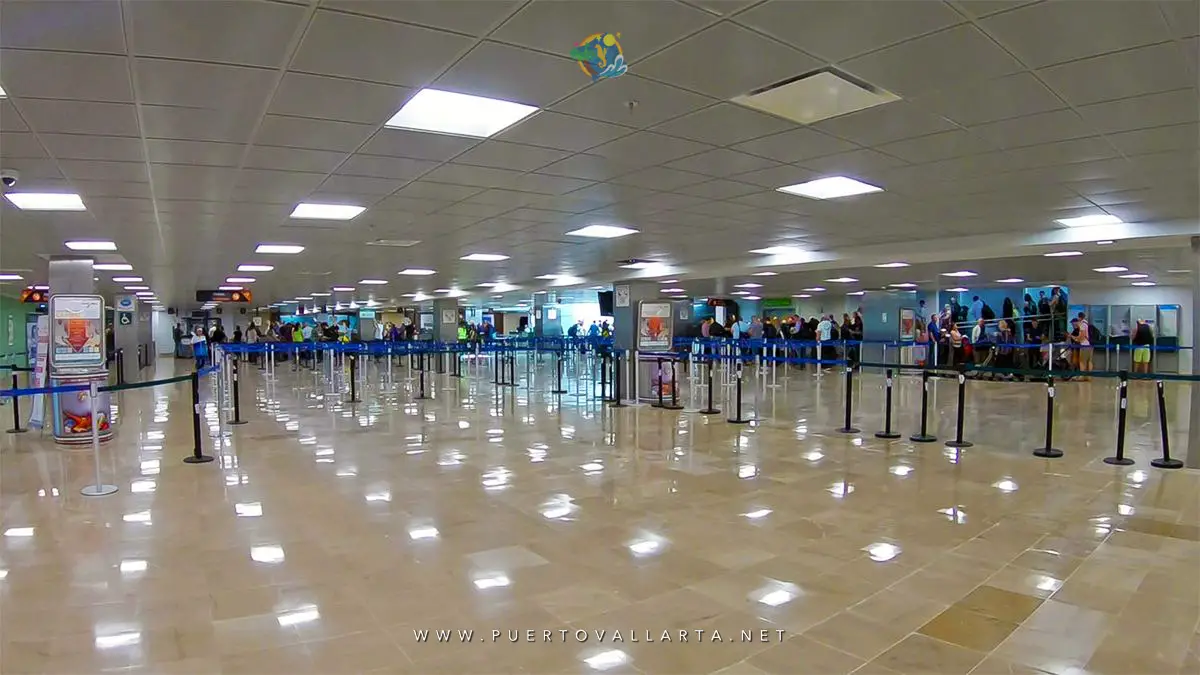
(462, 332)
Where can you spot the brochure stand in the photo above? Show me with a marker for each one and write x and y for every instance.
(77, 356)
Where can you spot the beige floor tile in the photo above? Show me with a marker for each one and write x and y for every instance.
(857, 635)
(921, 654)
(968, 629)
(802, 656)
(1001, 604)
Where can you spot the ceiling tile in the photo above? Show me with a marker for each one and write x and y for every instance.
(134, 172)
(203, 85)
(724, 124)
(1183, 17)
(1145, 70)
(920, 65)
(1046, 33)
(991, 100)
(515, 156)
(565, 132)
(722, 7)
(661, 178)
(513, 74)
(398, 168)
(338, 99)
(194, 152)
(936, 147)
(644, 27)
(16, 145)
(72, 25)
(473, 176)
(1176, 107)
(549, 185)
(856, 163)
(65, 75)
(474, 17)
(836, 31)
(191, 182)
(97, 188)
(10, 119)
(298, 132)
(1058, 125)
(427, 190)
(417, 145)
(198, 124)
(778, 176)
(1158, 139)
(884, 124)
(379, 51)
(743, 62)
(609, 101)
(361, 185)
(109, 148)
(590, 167)
(77, 117)
(293, 159)
(1064, 152)
(719, 189)
(722, 162)
(504, 198)
(796, 145)
(223, 31)
(646, 148)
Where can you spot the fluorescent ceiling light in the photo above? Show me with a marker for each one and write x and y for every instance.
(91, 246)
(484, 257)
(40, 287)
(856, 293)
(684, 297)
(327, 211)
(748, 286)
(765, 274)
(229, 288)
(957, 289)
(832, 187)
(602, 232)
(814, 289)
(239, 280)
(670, 290)
(127, 280)
(2, 93)
(112, 267)
(753, 297)
(778, 250)
(547, 277)
(1063, 254)
(145, 294)
(802, 295)
(740, 293)
(1110, 268)
(342, 289)
(447, 112)
(1010, 280)
(842, 280)
(253, 267)
(441, 290)
(1085, 221)
(904, 285)
(137, 288)
(1178, 271)
(664, 281)
(417, 272)
(1104, 242)
(960, 273)
(372, 282)
(11, 277)
(892, 265)
(320, 295)
(1142, 283)
(284, 249)
(1135, 275)
(45, 201)
(304, 297)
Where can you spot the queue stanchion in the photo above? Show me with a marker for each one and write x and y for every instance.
(16, 427)
(1049, 451)
(659, 383)
(709, 409)
(737, 419)
(197, 456)
(603, 377)
(1120, 459)
(618, 394)
(421, 384)
(512, 368)
(558, 388)
(98, 488)
(958, 441)
(848, 427)
(924, 436)
(674, 390)
(887, 408)
(237, 398)
(1166, 461)
(353, 377)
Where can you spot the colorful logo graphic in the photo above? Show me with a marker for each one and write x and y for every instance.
(600, 56)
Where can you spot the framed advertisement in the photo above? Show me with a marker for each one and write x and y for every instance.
(654, 327)
(76, 332)
(908, 324)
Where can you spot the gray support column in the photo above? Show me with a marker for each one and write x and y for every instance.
(625, 321)
(127, 329)
(1193, 453)
(71, 274)
(443, 330)
(881, 320)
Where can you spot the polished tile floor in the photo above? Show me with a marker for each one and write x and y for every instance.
(329, 537)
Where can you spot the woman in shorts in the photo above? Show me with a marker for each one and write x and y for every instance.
(1143, 338)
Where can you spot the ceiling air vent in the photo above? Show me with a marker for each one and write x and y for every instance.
(817, 96)
(398, 243)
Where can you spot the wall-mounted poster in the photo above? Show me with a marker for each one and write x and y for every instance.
(908, 324)
(76, 332)
(449, 316)
(621, 296)
(654, 327)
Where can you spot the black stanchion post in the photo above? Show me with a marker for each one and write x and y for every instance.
(16, 402)
(1164, 462)
(1049, 451)
(737, 419)
(847, 428)
(197, 456)
(1120, 459)
(512, 368)
(353, 378)
(603, 377)
(659, 384)
(887, 408)
(709, 409)
(558, 388)
(958, 441)
(674, 390)
(924, 436)
(618, 394)
(421, 384)
(496, 366)
(237, 398)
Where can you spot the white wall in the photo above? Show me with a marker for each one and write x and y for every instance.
(1133, 295)
(160, 331)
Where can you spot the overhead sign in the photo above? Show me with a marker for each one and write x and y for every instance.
(223, 296)
(125, 318)
(126, 303)
(34, 296)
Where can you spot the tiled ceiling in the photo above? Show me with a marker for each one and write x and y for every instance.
(191, 129)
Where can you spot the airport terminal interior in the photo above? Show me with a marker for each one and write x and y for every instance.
(634, 336)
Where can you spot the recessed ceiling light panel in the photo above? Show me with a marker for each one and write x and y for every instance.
(960, 274)
(842, 280)
(1063, 254)
(1087, 221)
(602, 232)
(254, 267)
(1110, 268)
(484, 257)
(447, 112)
(112, 267)
(45, 201)
(126, 280)
(309, 211)
(91, 246)
(833, 187)
(417, 272)
(892, 265)
(239, 280)
(1010, 280)
(282, 249)
(372, 282)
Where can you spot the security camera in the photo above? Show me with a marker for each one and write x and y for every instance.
(9, 177)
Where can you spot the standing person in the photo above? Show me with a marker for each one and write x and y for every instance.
(755, 330)
(252, 338)
(1143, 340)
(237, 333)
(824, 334)
(1086, 350)
(200, 348)
(705, 325)
(956, 345)
(177, 335)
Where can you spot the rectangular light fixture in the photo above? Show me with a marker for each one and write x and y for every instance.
(740, 293)
(747, 285)
(137, 288)
(484, 257)
(327, 211)
(753, 297)
(342, 289)
(254, 267)
(91, 245)
(1104, 242)
(45, 201)
(1143, 283)
(765, 274)
(239, 280)
(903, 285)
(1135, 275)
(778, 250)
(802, 295)
(11, 277)
(1111, 268)
(320, 295)
(127, 280)
(1086, 221)
(304, 297)
(547, 277)
(447, 112)
(670, 290)
(229, 288)
(842, 280)
(1063, 254)
(602, 232)
(372, 282)
(417, 272)
(112, 267)
(892, 265)
(960, 273)
(832, 187)
(957, 289)
(40, 287)
(1010, 280)
(145, 294)
(283, 249)
(857, 293)
(814, 289)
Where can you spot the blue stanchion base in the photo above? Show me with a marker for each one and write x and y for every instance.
(959, 444)
(848, 430)
(1118, 461)
(1161, 463)
(886, 434)
(922, 438)
(193, 459)
(1049, 453)
(16, 430)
